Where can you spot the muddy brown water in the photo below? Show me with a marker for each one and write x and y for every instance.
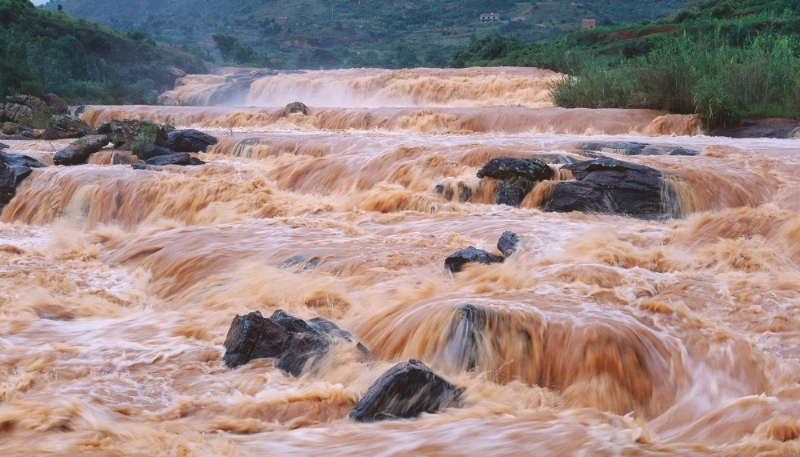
(607, 335)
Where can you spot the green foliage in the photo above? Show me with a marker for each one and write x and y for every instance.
(225, 44)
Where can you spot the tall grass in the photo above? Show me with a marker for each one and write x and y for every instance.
(709, 77)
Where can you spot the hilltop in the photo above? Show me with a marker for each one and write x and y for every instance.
(43, 51)
(352, 33)
(721, 59)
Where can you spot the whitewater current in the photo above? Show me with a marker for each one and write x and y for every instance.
(609, 335)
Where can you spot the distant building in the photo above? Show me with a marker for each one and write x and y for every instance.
(281, 20)
(589, 23)
(488, 17)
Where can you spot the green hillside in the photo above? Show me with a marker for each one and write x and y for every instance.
(346, 33)
(43, 51)
(722, 59)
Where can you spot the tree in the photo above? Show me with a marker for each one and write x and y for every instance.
(225, 44)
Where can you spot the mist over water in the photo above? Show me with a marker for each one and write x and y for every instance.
(602, 334)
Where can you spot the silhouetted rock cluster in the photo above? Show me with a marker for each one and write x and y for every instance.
(189, 140)
(291, 340)
(295, 107)
(609, 186)
(407, 390)
(66, 126)
(23, 114)
(507, 244)
(13, 169)
(127, 134)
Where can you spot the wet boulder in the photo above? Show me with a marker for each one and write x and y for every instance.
(11, 128)
(18, 114)
(609, 186)
(252, 337)
(631, 148)
(13, 169)
(134, 132)
(295, 107)
(507, 244)
(517, 177)
(56, 104)
(34, 103)
(406, 390)
(78, 152)
(66, 126)
(177, 158)
(189, 140)
(456, 261)
(301, 262)
(149, 150)
(295, 343)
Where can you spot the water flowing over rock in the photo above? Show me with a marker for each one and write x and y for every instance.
(296, 344)
(66, 126)
(456, 261)
(78, 152)
(189, 140)
(301, 262)
(609, 186)
(632, 148)
(407, 390)
(13, 169)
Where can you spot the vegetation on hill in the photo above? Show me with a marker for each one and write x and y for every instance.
(43, 51)
(722, 59)
(351, 33)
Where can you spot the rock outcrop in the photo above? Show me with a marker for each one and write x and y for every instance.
(507, 244)
(66, 126)
(517, 177)
(609, 186)
(295, 107)
(177, 158)
(631, 148)
(407, 390)
(13, 169)
(126, 132)
(78, 152)
(149, 150)
(189, 140)
(456, 261)
(297, 344)
(56, 104)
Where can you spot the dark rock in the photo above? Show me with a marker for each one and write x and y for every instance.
(517, 177)
(609, 186)
(302, 349)
(407, 390)
(56, 104)
(77, 110)
(189, 140)
(149, 150)
(295, 107)
(759, 128)
(34, 103)
(13, 169)
(633, 148)
(66, 126)
(290, 323)
(178, 158)
(303, 262)
(134, 131)
(253, 337)
(144, 166)
(3, 146)
(456, 261)
(510, 167)
(78, 152)
(11, 128)
(507, 244)
(327, 327)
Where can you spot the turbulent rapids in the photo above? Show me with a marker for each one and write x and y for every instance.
(606, 332)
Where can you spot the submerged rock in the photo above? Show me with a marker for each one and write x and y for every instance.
(609, 186)
(11, 128)
(407, 390)
(296, 344)
(189, 140)
(456, 261)
(295, 107)
(66, 126)
(78, 152)
(517, 177)
(13, 169)
(507, 244)
(177, 158)
(633, 148)
(302, 262)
